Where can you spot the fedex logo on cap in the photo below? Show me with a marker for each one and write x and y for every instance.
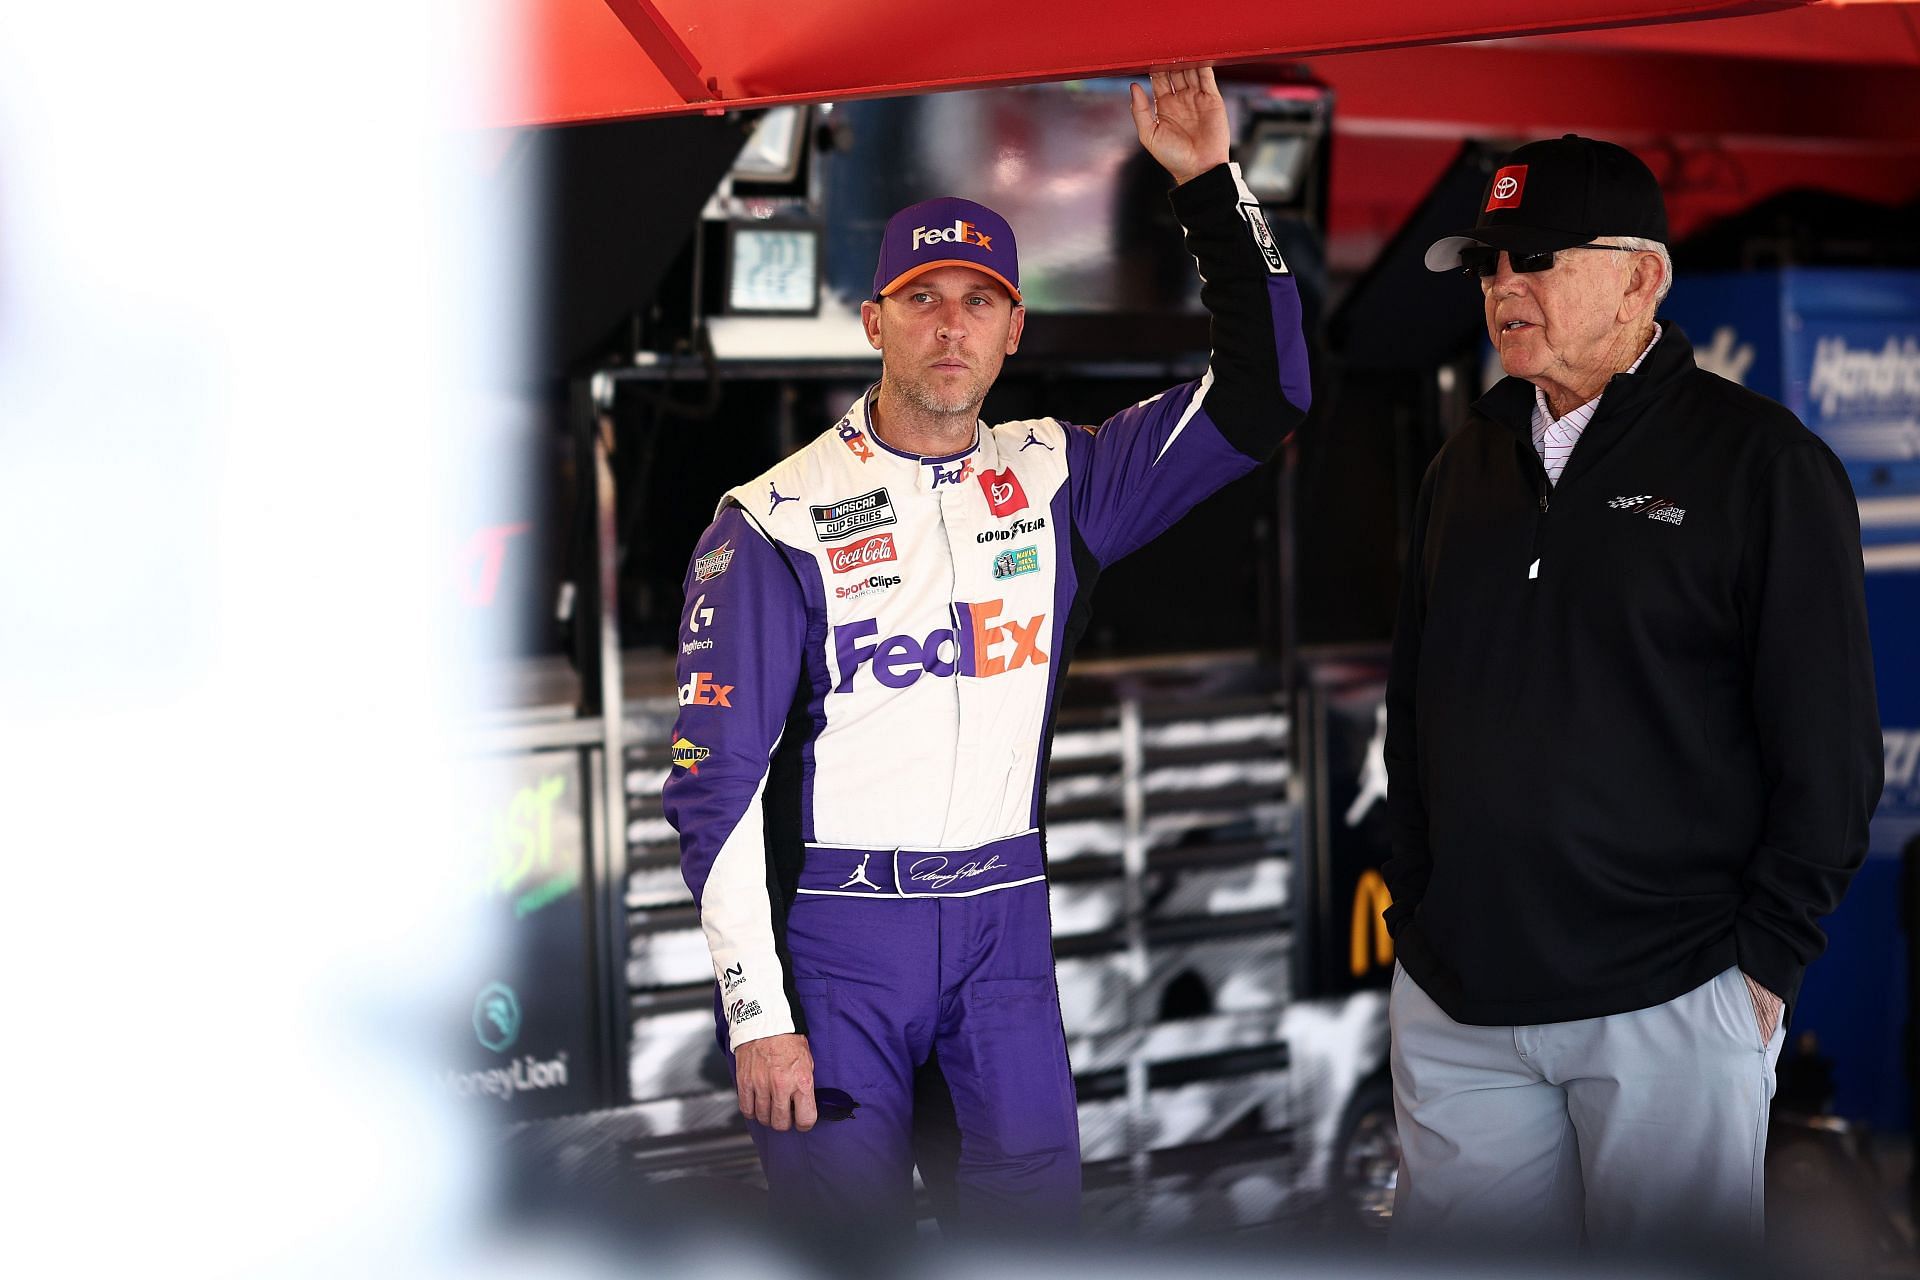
(1509, 184)
(961, 232)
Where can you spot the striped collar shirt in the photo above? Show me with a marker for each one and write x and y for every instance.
(1554, 438)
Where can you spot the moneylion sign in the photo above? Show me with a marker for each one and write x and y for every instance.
(1369, 945)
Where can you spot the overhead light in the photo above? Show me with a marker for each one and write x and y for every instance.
(774, 149)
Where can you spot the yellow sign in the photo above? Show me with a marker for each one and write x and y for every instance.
(1370, 898)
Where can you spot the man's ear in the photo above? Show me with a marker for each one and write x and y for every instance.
(1643, 286)
(1016, 327)
(870, 319)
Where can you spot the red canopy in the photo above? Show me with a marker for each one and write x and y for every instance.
(601, 59)
(1730, 100)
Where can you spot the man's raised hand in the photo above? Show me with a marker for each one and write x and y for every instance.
(1184, 124)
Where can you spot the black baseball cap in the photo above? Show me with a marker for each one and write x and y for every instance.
(1557, 194)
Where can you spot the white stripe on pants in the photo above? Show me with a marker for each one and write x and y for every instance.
(1641, 1130)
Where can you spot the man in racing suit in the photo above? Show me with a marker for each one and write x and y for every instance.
(875, 636)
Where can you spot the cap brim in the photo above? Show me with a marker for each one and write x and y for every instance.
(922, 268)
(1444, 254)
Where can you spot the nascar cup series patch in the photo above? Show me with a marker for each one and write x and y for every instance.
(849, 516)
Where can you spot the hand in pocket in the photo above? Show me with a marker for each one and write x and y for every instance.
(1766, 1009)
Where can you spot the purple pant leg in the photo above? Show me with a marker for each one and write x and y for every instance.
(864, 972)
(1004, 1056)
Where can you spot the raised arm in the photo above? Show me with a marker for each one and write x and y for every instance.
(1148, 465)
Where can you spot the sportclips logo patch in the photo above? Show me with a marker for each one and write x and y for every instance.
(961, 232)
(983, 646)
(849, 516)
(1509, 186)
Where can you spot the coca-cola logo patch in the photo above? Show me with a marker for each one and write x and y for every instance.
(862, 554)
(1509, 185)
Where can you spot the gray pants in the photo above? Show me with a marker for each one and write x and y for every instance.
(1641, 1130)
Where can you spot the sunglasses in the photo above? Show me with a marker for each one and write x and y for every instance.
(1484, 260)
(834, 1104)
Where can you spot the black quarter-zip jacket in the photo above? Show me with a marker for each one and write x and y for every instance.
(1631, 733)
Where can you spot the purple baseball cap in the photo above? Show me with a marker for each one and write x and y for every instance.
(946, 232)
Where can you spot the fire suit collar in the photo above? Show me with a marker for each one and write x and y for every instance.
(934, 474)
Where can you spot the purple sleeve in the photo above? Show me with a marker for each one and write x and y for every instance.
(741, 643)
(1148, 465)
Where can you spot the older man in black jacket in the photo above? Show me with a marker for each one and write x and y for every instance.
(1631, 741)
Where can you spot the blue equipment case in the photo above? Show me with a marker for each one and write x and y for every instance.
(1841, 348)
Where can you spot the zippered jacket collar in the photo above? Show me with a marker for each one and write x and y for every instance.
(1510, 401)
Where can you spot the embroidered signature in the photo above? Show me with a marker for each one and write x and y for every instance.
(934, 870)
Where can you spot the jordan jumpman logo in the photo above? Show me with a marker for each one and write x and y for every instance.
(1032, 440)
(773, 491)
(859, 875)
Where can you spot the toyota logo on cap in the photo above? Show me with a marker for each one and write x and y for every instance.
(1508, 186)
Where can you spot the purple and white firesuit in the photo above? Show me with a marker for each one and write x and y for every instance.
(870, 658)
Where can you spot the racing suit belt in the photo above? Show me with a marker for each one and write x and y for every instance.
(909, 872)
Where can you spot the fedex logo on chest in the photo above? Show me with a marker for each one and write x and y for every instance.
(982, 646)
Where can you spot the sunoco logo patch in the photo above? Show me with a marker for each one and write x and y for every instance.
(688, 756)
(849, 516)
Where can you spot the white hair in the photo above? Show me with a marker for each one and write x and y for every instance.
(1644, 245)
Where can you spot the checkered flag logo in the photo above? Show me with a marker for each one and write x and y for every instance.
(1662, 509)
